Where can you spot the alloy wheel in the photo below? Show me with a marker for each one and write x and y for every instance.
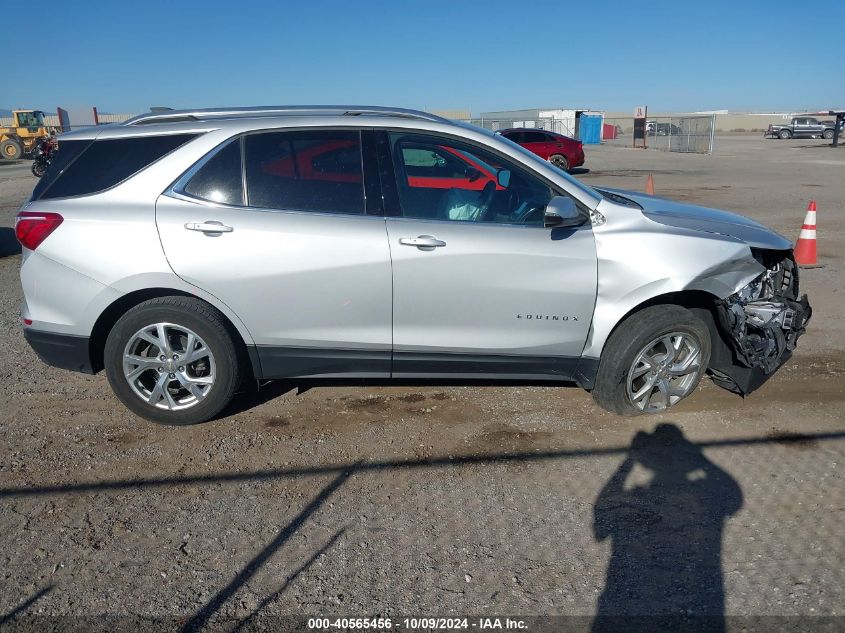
(664, 372)
(169, 366)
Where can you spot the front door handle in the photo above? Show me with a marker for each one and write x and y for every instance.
(422, 241)
(209, 226)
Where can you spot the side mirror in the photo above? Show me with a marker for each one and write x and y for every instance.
(561, 212)
(503, 177)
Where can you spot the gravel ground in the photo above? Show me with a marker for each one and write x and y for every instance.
(442, 501)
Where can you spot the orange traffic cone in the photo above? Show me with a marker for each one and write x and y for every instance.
(649, 185)
(805, 248)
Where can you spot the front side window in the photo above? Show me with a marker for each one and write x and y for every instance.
(318, 170)
(219, 179)
(443, 179)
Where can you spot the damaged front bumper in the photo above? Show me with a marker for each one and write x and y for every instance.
(759, 325)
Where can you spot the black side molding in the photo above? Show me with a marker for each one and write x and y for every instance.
(272, 362)
(317, 362)
(530, 369)
(65, 351)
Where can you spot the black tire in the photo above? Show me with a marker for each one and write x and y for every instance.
(630, 338)
(560, 161)
(38, 169)
(208, 324)
(11, 149)
(784, 134)
(828, 134)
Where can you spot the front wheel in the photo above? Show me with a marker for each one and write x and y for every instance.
(172, 360)
(828, 134)
(785, 134)
(652, 361)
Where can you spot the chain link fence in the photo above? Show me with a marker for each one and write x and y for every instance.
(689, 134)
(686, 134)
(559, 126)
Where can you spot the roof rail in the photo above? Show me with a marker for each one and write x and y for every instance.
(173, 116)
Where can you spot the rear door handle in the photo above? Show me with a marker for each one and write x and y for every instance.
(209, 226)
(422, 241)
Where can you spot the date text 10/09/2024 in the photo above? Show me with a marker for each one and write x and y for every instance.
(427, 624)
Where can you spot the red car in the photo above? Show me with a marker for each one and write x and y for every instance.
(559, 150)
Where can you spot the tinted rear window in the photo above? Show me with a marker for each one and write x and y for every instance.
(318, 170)
(103, 164)
(534, 137)
(64, 156)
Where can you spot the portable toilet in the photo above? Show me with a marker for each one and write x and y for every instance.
(589, 128)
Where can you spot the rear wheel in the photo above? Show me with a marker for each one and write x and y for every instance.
(785, 134)
(560, 161)
(652, 361)
(11, 149)
(38, 168)
(172, 360)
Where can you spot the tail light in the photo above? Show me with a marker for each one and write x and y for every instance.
(32, 228)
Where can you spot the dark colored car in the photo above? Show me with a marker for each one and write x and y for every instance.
(559, 150)
(664, 129)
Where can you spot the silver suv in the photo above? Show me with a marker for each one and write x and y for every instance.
(185, 252)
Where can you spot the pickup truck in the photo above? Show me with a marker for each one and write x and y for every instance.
(802, 127)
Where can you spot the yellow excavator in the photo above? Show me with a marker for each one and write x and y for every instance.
(23, 135)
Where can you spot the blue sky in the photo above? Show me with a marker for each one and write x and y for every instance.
(125, 57)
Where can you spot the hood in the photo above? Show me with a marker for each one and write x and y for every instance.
(692, 217)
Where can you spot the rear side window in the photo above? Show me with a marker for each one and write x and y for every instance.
(219, 180)
(534, 137)
(103, 164)
(318, 170)
(64, 156)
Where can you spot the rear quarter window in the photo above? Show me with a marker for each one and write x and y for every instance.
(102, 164)
(219, 179)
(64, 156)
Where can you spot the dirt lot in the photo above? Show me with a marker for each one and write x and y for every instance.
(443, 501)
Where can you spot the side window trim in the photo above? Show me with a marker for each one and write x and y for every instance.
(242, 144)
(387, 175)
(373, 195)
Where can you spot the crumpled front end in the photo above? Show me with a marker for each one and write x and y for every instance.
(760, 325)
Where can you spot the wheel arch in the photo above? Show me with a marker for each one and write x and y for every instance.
(110, 315)
(699, 302)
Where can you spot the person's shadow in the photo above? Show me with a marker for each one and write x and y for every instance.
(665, 571)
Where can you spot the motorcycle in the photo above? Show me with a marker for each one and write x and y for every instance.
(43, 155)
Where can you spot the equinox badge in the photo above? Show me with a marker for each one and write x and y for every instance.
(546, 317)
